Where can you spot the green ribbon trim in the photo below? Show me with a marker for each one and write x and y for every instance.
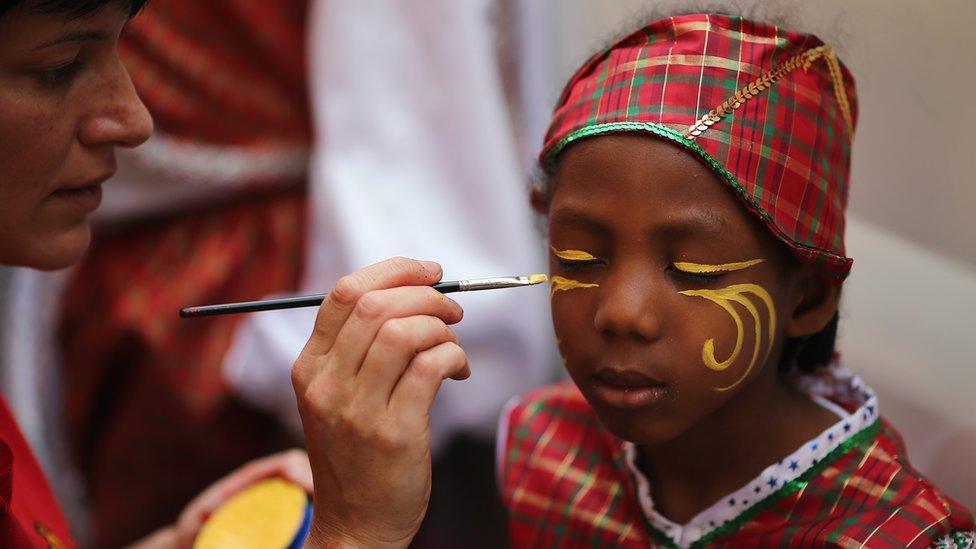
(860, 438)
(675, 136)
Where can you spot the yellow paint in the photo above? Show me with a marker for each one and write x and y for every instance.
(724, 299)
(563, 284)
(537, 278)
(266, 514)
(573, 255)
(702, 268)
(52, 539)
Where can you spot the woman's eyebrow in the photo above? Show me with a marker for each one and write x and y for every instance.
(76, 36)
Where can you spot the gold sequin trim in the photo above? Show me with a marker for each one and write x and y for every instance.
(802, 60)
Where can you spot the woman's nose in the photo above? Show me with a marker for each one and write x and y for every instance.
(627, 306)
(119, 118)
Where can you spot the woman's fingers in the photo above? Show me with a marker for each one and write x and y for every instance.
(374, 310)
(397, 343)
(414, 393)
(342, 299)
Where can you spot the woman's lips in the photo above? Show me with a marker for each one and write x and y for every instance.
(86, 198)
(627, 388)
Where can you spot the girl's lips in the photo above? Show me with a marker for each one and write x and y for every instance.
(627, 388)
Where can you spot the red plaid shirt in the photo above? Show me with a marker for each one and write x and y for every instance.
(567, 483)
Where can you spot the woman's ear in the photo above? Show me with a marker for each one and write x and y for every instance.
(814, 302)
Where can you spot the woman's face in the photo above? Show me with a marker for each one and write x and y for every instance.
(666, 292)
(66, 103)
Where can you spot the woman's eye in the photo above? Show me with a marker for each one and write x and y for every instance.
(63, 75)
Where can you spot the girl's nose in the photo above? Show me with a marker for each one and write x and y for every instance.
(627, 306)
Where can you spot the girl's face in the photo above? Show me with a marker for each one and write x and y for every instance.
(666, 293)
(66, 103)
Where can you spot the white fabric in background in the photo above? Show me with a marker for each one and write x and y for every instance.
(416, 156)
(31, 382)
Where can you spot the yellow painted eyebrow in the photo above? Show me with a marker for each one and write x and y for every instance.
(573, 255)
(702, 268)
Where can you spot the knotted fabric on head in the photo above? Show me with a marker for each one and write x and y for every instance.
(772, 111)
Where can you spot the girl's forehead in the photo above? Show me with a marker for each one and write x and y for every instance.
(621, 171)
(635, 186)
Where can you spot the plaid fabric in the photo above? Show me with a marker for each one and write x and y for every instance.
(771, 110)
(566, 484)
(151, 419)
(228, 72)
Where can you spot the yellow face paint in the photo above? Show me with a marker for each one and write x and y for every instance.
(560, 283)
(724, 298)
(573, 255)
(701, 268)
(563, 284)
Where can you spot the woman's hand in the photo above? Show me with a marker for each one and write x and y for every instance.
(291, 465)
(365, 383)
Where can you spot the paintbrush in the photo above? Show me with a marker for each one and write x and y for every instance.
(448, 287)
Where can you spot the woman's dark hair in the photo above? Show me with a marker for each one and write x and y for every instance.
(71, 8)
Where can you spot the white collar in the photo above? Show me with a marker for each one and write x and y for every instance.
(835, 385)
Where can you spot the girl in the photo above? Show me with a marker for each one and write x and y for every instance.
(697, 176)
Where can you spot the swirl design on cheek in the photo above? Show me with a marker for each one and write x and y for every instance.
(724, 298)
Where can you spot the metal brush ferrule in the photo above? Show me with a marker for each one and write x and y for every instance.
(491, 283)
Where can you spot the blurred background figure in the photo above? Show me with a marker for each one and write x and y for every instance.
(415, 154)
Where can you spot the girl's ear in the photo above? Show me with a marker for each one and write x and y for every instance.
(539, 200)
(814, 303)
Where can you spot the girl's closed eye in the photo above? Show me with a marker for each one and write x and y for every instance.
(708, 272)
(575, 259)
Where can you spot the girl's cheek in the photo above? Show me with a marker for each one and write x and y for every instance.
(736, 332)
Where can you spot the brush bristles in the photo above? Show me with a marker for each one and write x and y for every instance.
(537, 278)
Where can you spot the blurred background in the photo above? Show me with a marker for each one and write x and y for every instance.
(282, 159)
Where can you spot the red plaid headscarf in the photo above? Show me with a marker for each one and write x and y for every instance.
(772, 111)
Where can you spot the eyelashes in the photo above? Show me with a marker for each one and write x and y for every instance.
(574, 256)
(571, 259)
(62, 76)
(575, 259)
(706, 272)
(709, 269)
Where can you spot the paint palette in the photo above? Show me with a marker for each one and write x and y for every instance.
(272, 513)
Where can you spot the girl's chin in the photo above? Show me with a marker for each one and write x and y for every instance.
(642, 427)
